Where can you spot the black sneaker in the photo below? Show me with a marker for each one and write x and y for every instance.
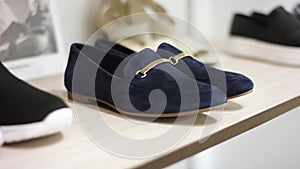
(27, 112)
(274, 37)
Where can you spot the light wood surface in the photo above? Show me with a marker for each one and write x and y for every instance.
(276, 91)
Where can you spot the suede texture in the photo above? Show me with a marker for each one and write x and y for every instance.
(107, 74)
(231, 83)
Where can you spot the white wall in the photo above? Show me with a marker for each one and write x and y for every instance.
(78, 19)
(212, 17)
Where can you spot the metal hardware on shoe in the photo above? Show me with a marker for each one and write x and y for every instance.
(175, 59)
(142, 75)
(143, 72)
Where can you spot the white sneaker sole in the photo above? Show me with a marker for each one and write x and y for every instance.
(55, 122)
(256, 49)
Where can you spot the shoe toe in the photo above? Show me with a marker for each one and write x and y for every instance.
(238, 84)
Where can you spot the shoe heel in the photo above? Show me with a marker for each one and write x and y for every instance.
(79, 98)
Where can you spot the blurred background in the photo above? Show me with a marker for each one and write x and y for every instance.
(212, 17)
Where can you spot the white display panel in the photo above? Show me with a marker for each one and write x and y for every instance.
(31, 44)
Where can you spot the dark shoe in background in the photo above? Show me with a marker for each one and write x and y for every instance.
(274, 37)
(27, 112)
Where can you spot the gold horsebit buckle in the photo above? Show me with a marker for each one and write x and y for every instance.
(173, 60)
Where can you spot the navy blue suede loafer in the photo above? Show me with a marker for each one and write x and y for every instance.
(142, 84)
(234, 84)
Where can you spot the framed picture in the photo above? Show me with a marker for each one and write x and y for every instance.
(30, 41)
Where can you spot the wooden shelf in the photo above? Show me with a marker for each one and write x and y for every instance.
(276, 91)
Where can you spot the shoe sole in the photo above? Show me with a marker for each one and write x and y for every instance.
(260, 50)
(242, 94)
(90, 101)
(55, 122)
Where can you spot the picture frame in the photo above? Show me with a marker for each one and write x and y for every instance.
(35, 50)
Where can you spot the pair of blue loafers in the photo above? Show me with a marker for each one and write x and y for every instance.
(165, 83)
